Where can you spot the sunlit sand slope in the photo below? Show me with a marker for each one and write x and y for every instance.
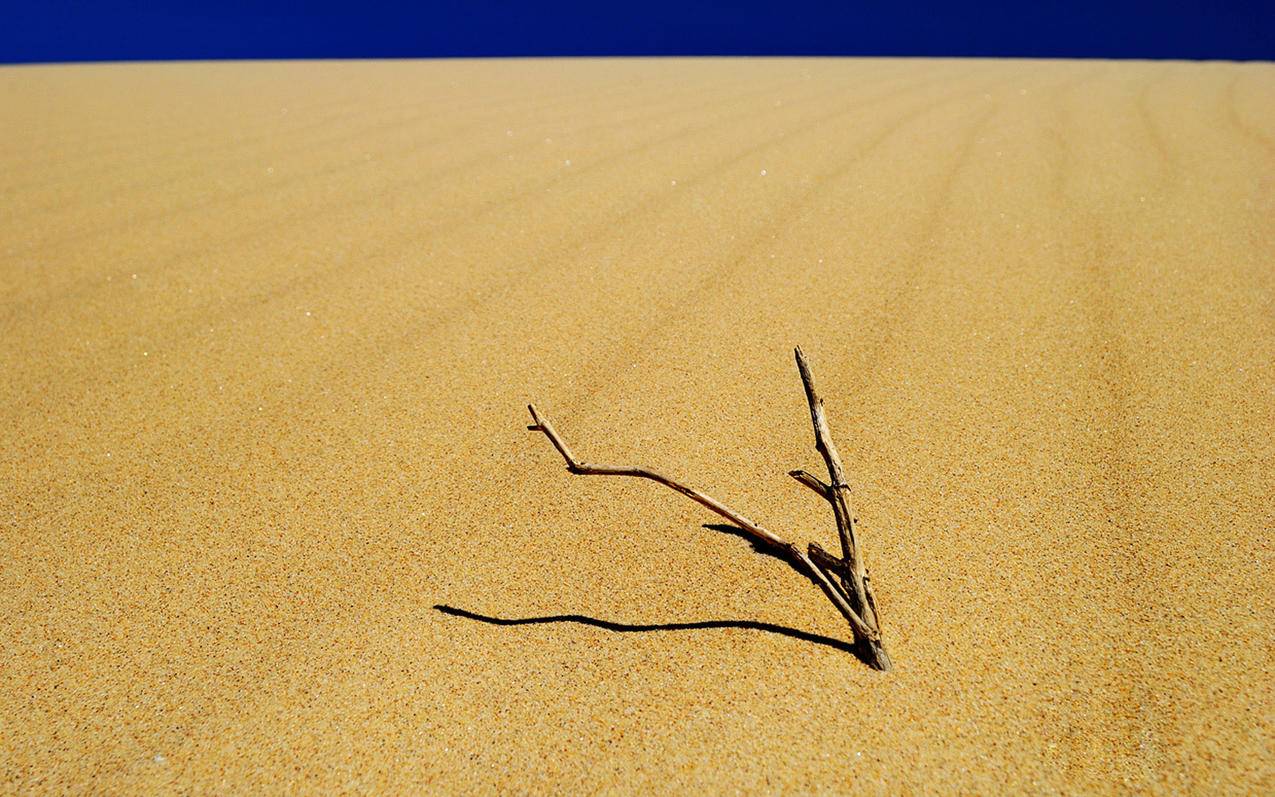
(268, 332)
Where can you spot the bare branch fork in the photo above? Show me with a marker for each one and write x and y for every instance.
(843, 580)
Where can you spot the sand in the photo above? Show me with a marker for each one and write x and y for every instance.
(269, 330)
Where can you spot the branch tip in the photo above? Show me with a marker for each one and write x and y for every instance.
(820, 489)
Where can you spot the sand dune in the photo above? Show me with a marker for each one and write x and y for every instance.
(268, 333)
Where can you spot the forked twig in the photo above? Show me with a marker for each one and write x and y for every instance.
(757, 532)
(854, 574)
(852, 596)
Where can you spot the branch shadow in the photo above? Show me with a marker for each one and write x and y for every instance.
(631, 628)
(778, 554)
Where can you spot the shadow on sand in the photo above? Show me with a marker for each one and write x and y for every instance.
(627, 628)
(702, 625)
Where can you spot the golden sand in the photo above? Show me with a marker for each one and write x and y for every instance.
(268, 334)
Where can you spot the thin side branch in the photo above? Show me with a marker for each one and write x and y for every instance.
(821, 489)
(826, 560)
(756, 531)
(584, 468)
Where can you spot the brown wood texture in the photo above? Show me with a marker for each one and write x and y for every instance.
(852, 597)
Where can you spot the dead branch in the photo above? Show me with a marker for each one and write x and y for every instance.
(854, 575)
(813, 483)
(826, 560)
(852, 596)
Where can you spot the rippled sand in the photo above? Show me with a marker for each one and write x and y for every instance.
(268, 330)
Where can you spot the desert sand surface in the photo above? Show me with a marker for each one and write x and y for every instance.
(268, 335)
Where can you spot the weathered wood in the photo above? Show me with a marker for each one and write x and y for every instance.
(813, 483)
(826, 560)
(854, 574)
(756, 531)
(852, 597)
(583, 468)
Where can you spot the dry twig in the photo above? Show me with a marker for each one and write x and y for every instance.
(843, 580)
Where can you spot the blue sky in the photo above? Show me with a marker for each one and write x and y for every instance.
(58, 30)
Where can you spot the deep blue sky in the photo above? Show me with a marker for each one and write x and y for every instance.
(61, 30)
